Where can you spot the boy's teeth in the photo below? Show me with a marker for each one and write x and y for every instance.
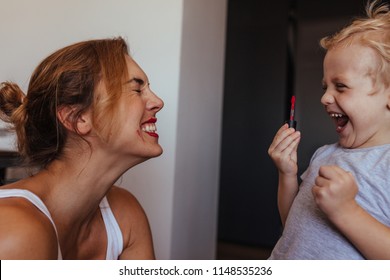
(335, 115)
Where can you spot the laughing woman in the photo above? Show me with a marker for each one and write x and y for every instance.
(89, 115)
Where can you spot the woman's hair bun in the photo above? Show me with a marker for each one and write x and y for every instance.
(11, 98)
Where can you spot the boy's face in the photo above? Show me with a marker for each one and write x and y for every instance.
(359, 109)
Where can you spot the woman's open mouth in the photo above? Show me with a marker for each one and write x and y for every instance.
(150, 127)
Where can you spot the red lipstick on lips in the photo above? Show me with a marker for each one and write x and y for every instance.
(151, 120)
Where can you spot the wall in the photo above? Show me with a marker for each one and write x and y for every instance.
(199, 129)
(174, 41)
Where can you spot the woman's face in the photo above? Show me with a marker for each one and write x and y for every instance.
(136, 131)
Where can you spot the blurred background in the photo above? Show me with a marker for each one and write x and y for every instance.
(226, 70)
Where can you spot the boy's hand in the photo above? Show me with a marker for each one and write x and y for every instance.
(334, 191)
(283, 150)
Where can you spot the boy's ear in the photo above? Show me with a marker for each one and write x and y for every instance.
(79, 124)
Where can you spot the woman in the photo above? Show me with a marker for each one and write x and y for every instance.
(88, 116)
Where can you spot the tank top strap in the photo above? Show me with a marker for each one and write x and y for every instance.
(114, 233)
(34, 199)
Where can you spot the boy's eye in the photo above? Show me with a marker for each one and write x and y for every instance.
(340, 85)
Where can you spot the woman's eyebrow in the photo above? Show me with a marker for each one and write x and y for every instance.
(136, 80)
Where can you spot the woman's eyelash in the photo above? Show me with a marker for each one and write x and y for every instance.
(140, 87)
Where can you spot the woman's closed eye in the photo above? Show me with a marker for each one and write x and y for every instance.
(138, 85)
(141, 88)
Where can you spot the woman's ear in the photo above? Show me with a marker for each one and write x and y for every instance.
(80, 124)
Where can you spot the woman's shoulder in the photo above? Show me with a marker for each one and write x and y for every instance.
(133, 222)
(25, 232)
(121, 199)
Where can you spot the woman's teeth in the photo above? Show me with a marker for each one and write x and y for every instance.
(150, 127)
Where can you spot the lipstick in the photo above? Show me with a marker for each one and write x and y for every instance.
(291, 122)
(149, 127)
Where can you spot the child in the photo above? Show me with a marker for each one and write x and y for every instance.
(341, 210)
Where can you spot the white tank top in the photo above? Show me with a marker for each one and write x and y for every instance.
(114, 234)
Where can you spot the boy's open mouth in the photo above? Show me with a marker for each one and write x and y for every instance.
(340, 120)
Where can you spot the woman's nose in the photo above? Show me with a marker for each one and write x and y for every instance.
(155, 103)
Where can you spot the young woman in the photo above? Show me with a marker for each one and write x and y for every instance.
(89, 115)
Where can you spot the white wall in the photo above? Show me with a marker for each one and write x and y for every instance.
(180, 45)
(199, 129)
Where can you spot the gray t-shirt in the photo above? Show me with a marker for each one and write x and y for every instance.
(308, 234)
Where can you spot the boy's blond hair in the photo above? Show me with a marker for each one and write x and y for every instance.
(372, 31)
